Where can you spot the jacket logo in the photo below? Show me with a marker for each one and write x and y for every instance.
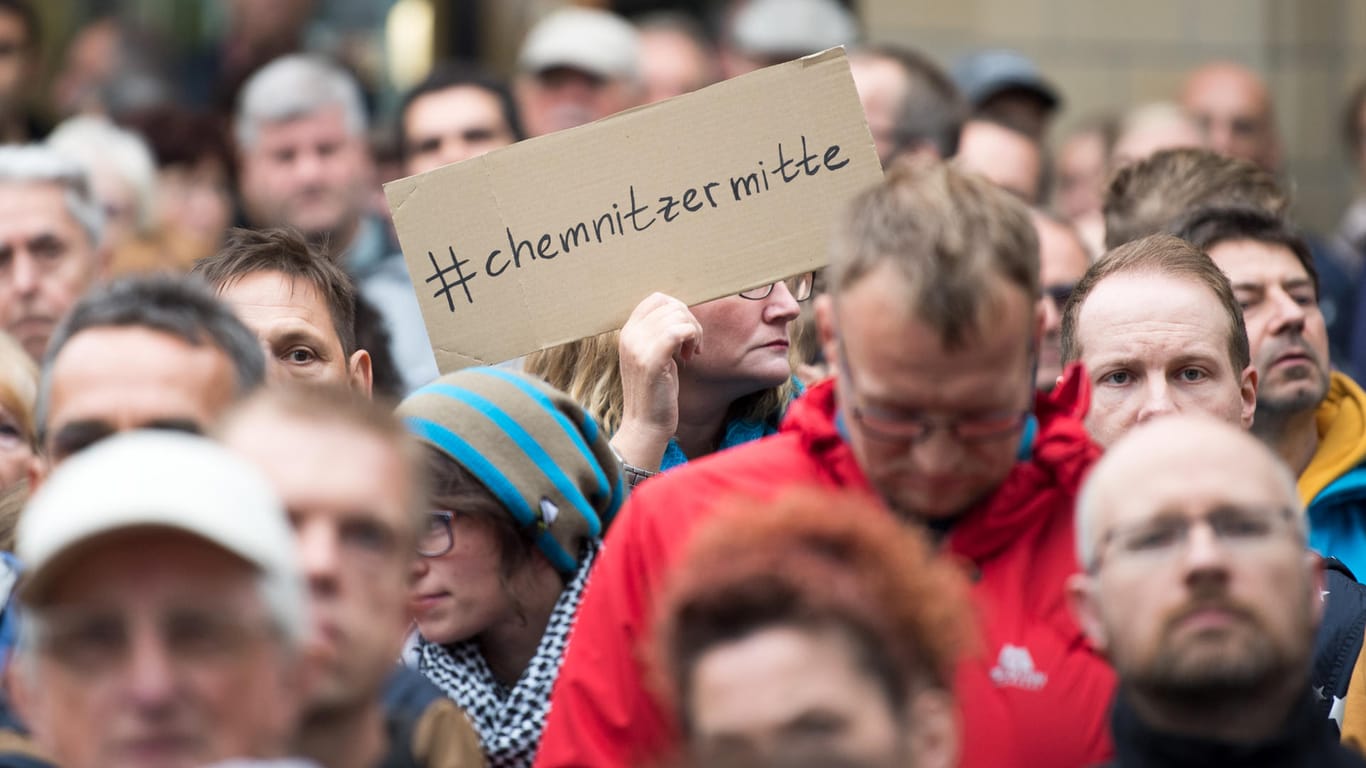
(1015, 668)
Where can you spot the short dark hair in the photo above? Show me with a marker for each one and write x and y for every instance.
(933, 110)
(182, 307)
(284, 250)
(1208, 227)
(1149, 196)
(454, 74)
(1159, 255)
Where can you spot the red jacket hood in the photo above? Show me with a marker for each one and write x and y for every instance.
(1061, 455)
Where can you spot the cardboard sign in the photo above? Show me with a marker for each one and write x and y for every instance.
(559, 237)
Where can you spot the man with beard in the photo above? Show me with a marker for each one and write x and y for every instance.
(1199, 588)
(1313, 417)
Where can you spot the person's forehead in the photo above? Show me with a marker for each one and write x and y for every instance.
(1189, 479)
(324, 467)
(1228, 90)
(135, 374)
(32, 208)
(326, 123)
(141, 566)
(264, 294)
(1062, 257)
(1163, 303)
(453, 108)
(1253, 261)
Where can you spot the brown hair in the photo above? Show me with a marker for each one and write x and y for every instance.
(283, 250)
(948, 233)
(1149, 196)
(1208, 227)
(1158, 255)
(816, 559)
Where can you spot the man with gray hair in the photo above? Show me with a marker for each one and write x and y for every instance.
(144, 352)
(1199, 588)
(164, 610)
(50, 242)
(303, 162)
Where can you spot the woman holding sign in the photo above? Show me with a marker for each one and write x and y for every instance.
(678, 383)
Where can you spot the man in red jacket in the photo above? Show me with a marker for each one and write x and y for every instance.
(932, 321)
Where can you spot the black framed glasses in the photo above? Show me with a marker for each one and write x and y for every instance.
(1059, 293)
(1159, 540)
(800, 287)
(911, 428)
(437, 539)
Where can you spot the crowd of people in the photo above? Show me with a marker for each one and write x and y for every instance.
(1056, 462)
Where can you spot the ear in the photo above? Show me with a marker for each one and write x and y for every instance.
(933, 729)
(1081, 599)
(36, 472)
(1316, 597)
(826, 330)
(1248, 391)
(362, 376)
(23, 693)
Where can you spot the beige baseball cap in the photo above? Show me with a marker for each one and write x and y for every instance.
(160, 479)
(598, 42)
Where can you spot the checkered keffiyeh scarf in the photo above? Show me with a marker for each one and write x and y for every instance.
(509, 721)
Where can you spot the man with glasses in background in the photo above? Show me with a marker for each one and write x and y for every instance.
(1063, 259)
(934, 317)
(1199, 588)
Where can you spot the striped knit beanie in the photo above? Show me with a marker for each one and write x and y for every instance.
(536, 450)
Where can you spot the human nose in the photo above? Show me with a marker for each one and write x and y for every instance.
(781, 305)
(1157, 399)
(1052, 319)
(151, 670)
(1205, 553)
(937, 452)
(1290, 315)
(25, 273)
(319, 555)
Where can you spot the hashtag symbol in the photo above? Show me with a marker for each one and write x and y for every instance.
(462, 280)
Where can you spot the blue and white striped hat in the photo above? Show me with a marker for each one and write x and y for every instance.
(536, 450)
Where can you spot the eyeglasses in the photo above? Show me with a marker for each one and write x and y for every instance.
(1160, 540)
(911, 428)
(800, 287)
(437, 539)
(97, 640)
(1059, 293)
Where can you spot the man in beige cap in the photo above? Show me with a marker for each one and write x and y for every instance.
(164, 611)
(577, 65)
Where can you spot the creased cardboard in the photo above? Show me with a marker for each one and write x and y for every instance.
(559, 237)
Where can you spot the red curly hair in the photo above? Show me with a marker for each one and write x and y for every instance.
(819, 559)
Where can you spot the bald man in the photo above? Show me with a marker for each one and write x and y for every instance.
(1200, 590)
(1233, 106)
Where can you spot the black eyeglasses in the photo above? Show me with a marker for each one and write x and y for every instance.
(437, 539)
(800, 287)
(911, 428)
(1059, 293)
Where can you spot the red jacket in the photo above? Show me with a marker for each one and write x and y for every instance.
(1037, 696)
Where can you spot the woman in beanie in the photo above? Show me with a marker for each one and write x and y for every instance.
(523, 486)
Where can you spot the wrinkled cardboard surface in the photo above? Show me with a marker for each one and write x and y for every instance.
(548, 185)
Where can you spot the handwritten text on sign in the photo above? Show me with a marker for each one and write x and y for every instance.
(559, 237)
(625, 218)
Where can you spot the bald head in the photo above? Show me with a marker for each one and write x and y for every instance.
(1233, 106)
(1174, 462)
